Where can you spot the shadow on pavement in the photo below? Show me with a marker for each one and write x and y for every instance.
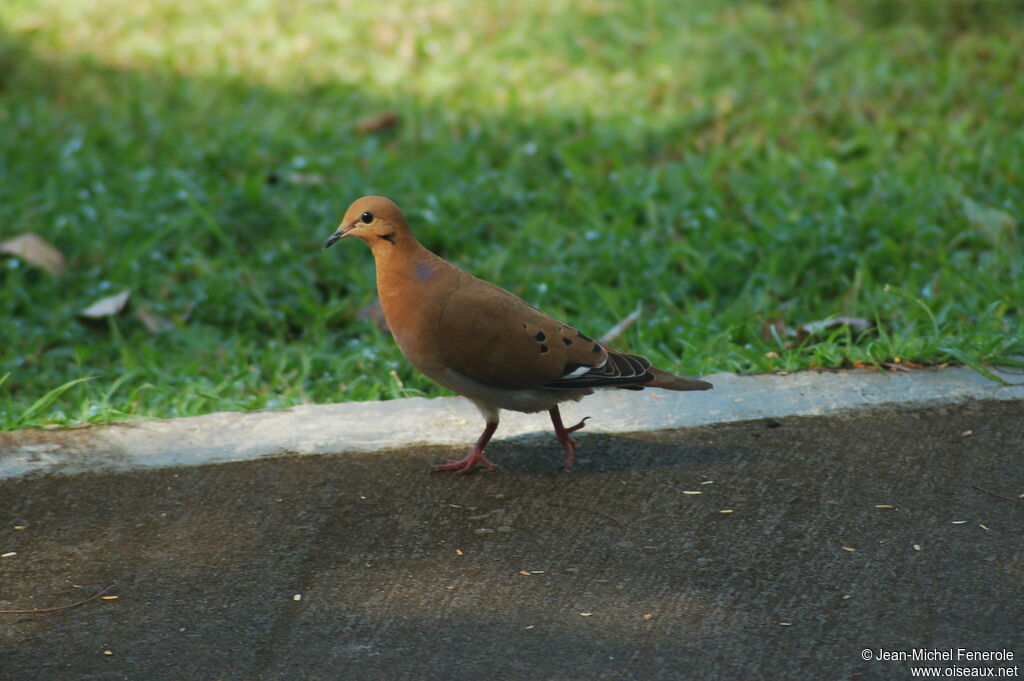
(611, 572)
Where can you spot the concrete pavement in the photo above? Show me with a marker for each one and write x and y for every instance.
(778, 546)
(377, 426)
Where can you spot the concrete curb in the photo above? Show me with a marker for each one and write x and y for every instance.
(369, 426)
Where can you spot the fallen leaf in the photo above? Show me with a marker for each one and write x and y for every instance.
(35, 250)
(377, 123)
(152, 321)
(993, 223)
(309, 179)
(856, 324)
(776, 329)
(107, 307)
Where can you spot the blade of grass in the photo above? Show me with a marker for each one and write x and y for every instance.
(46, 400)
(907, 295)
(226, 242)
(973, 363)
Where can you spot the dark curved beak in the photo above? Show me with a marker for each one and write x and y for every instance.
(340, 233)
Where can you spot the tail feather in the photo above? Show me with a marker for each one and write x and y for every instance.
(670, 381)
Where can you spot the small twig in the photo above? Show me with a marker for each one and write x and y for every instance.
(36, 611)
(892, 366)
(995, 494)
(616, 331)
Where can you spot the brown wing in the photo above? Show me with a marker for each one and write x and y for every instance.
(494, 337)
(622, 370)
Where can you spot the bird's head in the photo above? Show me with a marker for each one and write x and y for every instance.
(374, 219)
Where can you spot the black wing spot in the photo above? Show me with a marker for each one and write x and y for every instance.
(584, 336)
(540, 337)
(596, 349)
(567, 341)
(543, 349)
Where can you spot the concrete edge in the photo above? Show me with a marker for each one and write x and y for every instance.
(370, 426)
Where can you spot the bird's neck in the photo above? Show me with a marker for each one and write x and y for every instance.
(407, 275)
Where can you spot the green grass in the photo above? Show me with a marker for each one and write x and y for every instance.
(726, 165)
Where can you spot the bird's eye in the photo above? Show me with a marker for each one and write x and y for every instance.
(367, 217)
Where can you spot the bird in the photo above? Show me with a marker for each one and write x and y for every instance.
(483, 342)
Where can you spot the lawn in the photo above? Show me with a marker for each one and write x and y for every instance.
(737, 170)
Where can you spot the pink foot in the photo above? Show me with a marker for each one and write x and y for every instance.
(475, 458)
(465, 466)
(565, 437)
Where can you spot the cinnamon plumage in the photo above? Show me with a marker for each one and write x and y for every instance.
(483, 342)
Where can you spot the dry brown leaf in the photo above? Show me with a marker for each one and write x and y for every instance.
(999, 227)
(107, 307)
(152, 321)
(35, 250)
(377, 123)
(772, 329)
(776, 328)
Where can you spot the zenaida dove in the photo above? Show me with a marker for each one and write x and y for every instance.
(483, 342)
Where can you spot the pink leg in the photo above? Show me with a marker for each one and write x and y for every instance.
(563, 433)
(469, 464)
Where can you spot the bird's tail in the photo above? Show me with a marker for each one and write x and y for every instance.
(670, 381)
